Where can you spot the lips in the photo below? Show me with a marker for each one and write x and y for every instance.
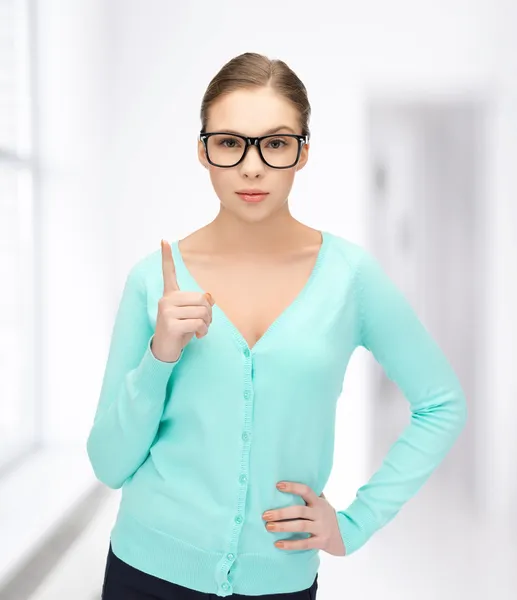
(252, 195)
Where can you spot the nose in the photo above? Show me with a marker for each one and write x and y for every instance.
(252, 165)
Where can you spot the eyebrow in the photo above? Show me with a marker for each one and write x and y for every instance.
(268, 132)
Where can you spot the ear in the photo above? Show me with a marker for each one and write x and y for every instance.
(201, 153)
(304, 157)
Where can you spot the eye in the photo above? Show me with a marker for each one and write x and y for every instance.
(229, 142)
(276, 143)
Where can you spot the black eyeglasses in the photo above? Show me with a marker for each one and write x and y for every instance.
(278, 151)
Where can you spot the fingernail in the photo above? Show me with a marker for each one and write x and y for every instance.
(281, 486)
(209, 298)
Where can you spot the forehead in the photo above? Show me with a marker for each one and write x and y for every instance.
(252, 112)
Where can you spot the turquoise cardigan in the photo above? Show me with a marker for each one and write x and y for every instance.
(198, 445)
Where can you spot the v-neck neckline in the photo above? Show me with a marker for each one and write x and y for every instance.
(241, 340)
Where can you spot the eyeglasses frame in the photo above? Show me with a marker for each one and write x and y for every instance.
(253, 141)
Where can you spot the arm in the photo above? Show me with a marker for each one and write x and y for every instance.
(411, 358)
(133, 392)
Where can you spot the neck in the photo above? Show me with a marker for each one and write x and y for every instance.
(228, 233)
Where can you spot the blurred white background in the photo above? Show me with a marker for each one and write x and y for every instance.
(414, 139)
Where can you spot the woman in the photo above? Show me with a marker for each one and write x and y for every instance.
(227, 358)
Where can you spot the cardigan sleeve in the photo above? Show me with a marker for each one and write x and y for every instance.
(411, 358)
(133, 391)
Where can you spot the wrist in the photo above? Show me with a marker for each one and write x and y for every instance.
(171, 355)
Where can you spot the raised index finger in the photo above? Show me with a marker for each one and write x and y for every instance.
(170, 283)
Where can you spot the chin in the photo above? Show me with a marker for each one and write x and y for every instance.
(251, 211)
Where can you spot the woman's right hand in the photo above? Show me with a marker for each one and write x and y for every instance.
(180, 314)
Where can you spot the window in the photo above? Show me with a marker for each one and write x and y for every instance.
(17, 324)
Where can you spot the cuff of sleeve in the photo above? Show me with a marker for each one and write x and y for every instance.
(356, 524)
(153, 374)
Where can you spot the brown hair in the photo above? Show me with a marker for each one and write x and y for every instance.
(251, 70)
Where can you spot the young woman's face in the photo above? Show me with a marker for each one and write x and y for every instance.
(254, 112)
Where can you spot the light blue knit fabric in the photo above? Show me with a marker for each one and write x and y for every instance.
(199, 445)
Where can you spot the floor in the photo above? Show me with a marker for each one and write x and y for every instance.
(427, 552)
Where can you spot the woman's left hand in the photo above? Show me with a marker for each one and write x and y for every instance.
(318, 517)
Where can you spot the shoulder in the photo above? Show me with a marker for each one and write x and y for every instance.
(362, 265)
(345, 251)
(146, 272)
